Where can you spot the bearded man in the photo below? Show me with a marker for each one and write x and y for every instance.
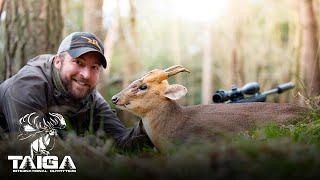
(66, 83)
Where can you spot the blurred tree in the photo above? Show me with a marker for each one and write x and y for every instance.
(109, 44)
(32, 27)
(295, 42)
(236, 60)
(131, 67)
(130, 36)
(92, 22)
(92, 19)
(309, 49)
(2, 3)
(72, 12)
(206, 86)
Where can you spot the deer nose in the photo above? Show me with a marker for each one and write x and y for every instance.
(114, 99)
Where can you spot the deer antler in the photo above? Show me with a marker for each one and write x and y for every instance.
(173, 70)
(158, 75)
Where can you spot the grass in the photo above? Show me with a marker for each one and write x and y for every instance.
(275, 151)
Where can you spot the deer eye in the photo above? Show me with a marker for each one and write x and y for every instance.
(143, 87)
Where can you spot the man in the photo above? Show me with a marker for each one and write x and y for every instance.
(65, 83)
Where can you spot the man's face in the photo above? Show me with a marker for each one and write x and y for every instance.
(79, 76)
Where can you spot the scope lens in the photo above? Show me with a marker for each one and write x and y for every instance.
(217, 98)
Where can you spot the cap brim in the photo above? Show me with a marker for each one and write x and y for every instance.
(75, 53)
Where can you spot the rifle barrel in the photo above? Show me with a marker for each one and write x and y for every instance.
(279, 89)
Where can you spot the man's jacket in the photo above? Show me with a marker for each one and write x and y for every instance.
(32, 90)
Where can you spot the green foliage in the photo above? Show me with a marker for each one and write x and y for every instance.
(284, 32)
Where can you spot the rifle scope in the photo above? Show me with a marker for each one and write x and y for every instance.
(236, 93)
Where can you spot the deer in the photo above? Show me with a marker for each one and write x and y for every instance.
(166, 122)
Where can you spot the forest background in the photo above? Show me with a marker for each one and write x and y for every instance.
(222, 43)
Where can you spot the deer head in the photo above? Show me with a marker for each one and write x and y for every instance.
(146, 93)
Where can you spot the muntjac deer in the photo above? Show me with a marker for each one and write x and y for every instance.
(166, 122)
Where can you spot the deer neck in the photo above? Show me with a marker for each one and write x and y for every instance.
(161, 122)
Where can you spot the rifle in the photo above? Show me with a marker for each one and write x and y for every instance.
(237, 95)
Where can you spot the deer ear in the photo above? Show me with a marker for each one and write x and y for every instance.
(175, 91)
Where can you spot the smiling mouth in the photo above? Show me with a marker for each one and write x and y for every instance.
(80, 82)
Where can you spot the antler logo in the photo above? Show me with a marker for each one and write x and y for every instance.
(46, 127)
(92, 41)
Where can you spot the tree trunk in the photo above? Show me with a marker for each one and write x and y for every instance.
(130, 38)
(295, 41)
(309, 49)
(110, 41)
(237, 72)
(92, 20)
(206, 86)
(2, 3)
(32, 27)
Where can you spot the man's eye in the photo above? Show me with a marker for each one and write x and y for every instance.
(95, 67)
(143, 87)
(79, 62)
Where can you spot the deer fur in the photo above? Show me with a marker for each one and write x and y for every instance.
(166, 122)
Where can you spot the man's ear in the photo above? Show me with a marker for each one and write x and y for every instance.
(175, 91)
(57, 61)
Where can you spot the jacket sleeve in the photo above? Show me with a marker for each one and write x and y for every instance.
(126, 138)
(24, 95)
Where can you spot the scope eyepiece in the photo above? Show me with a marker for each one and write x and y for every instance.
(219, 96)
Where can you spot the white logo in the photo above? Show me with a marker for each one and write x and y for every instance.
(43, 164)
(46, 128)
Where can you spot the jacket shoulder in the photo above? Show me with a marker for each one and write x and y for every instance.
(41, 60)
(36, 75)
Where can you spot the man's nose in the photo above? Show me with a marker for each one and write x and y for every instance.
(85, 72)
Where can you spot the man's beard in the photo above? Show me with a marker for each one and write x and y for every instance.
(67, 83)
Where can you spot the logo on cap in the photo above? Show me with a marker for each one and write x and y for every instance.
(92, 41)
